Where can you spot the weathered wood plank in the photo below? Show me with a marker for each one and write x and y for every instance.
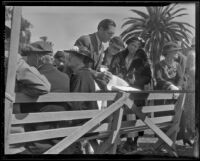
(11, 74)
(63, 132)
(52, 116)
(75, 135)
(149, 109)
(49, 134)
(158, 108)
(65, 97)
(158, 96)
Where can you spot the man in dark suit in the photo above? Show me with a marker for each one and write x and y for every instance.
(93, 42)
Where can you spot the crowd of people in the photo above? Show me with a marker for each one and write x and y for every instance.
(78, 69)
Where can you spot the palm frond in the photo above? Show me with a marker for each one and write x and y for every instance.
(133, 21)
(131, 29)
(140, 13)
(178, 10)
(170, 18)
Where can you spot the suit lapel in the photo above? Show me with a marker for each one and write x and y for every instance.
(94, 46)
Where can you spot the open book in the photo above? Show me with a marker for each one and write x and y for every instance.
(117, 83)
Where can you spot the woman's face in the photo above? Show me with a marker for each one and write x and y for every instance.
(133, 46)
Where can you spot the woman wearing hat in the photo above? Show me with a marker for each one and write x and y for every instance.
(168, 72)
(122, 63)
(132, 65)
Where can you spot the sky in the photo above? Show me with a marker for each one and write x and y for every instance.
(63, 25)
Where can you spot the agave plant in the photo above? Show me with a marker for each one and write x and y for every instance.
(157, 26)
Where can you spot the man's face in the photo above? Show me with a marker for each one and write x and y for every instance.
(106, 35)
(133, 46)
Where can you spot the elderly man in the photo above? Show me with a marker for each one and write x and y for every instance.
(39, 55)
(93, 42)
(28, 81)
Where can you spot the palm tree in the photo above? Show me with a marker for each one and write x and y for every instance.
(157, 26)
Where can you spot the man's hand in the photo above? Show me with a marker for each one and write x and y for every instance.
(107, 76)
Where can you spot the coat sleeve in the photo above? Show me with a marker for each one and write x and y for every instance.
(79, 85)
(33, 83)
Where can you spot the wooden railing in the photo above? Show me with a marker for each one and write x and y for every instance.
(112, 130)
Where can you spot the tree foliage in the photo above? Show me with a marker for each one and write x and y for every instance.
(157, 26)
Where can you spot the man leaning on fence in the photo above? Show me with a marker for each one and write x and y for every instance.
(39, 55)
(28, 81)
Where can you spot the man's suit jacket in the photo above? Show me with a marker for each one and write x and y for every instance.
(95, 46)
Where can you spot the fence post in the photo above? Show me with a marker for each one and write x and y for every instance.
(11, 75)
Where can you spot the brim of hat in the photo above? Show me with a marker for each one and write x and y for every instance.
(31, 49)
(78, 53)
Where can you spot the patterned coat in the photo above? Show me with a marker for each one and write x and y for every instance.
(166, 75)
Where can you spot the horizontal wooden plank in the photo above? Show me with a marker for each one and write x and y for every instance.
(65, 97)
(154, 108)
(158, 96)
(156, 120)
(142, 128)
(48, 134)
(62, 132)
(158, 108)
(26, 118)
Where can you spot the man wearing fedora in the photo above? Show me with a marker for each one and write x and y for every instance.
(28, 81)
(81, 80)
(93, 42)
(39, 55)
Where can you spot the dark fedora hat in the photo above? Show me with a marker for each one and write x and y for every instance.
(81, 51)
(134, 38)
(39, 47)
(169, 47)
